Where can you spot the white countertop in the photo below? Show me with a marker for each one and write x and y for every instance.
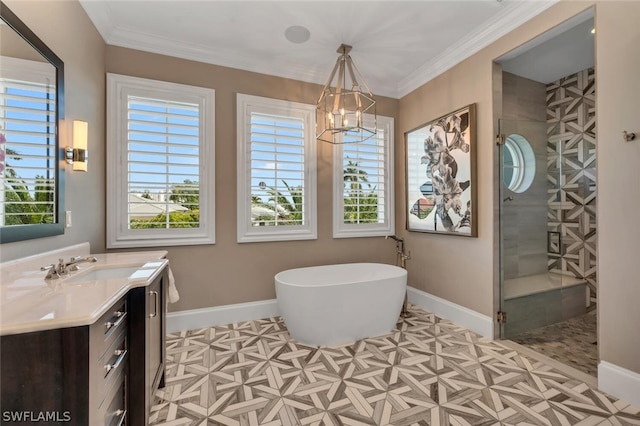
(30, 303)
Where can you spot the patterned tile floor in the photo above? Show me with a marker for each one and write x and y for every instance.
(426, 372)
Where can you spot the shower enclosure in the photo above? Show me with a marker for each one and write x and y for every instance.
(547, 190)
(535, 286)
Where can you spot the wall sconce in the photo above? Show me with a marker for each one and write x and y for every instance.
(78, 154)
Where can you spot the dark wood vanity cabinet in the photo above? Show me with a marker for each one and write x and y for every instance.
(73, 375)
(102, 374)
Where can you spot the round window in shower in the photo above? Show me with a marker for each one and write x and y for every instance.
(518, 163)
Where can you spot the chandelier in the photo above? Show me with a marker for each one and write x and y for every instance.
(342, 106)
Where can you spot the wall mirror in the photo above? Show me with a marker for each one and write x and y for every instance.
(31, 156)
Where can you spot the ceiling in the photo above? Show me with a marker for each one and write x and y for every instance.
(397, 45)
(559, 52)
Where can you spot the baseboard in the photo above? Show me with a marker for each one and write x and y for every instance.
(220, 315)
(474, 321)
(619, 382)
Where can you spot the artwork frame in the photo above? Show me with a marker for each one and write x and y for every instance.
(440, 175)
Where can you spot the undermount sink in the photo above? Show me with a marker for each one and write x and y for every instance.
(105, 273)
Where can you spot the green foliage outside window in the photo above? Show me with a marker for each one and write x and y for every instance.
(188, 219)
(187, 195)
(361, 199)
(23, 208)
(288, 210)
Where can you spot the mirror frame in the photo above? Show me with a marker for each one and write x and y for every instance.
(28, 232)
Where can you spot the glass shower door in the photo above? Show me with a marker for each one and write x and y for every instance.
(529, 237)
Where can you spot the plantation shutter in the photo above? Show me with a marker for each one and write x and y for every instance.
(27, 151)
(277, 170)
(163, 155)
(364, 179)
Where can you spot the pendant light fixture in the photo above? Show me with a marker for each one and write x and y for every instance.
(344, 102)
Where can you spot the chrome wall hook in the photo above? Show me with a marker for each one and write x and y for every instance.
(628, 137)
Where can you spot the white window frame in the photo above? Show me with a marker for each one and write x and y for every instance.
(119, 88)
(354, 230)
(246, 105)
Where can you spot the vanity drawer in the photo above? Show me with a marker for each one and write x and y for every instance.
(109, 326)
(110, 367)
(114, 409)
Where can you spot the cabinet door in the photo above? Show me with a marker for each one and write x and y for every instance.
(155, 333)
(46, 371)
(147, 352)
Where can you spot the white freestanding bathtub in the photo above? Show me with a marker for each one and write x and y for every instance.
(333, 304)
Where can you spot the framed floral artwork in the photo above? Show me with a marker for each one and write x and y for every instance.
(441, 175)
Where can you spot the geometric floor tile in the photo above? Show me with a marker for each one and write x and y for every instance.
(427, 371)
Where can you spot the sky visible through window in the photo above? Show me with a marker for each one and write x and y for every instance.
(277, 170)
(163, 160)
(163, 145)
(277, 151)
(29, 129)
(28, 158)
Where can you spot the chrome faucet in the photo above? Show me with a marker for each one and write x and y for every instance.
(401, 257)
(73, 262)
(63, 268)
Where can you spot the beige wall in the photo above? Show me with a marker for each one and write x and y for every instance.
(618, 177)
(67, 31)
(14, 46)
(455, 268)
(228, 272)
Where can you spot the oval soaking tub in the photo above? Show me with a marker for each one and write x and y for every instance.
(334, 304)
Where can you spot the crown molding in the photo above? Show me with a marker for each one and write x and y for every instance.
(99, 14)
(132, 39)
(508, 19)
(512, 15)
(114, 35)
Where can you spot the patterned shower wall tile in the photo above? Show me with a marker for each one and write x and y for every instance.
(571, 177)
(427, 371)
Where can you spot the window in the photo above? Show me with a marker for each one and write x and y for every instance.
(276, 170)
(160, 159)
(27, 143)
(363, 184)
(518, 163)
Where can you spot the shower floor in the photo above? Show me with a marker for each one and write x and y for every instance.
(572, 342)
